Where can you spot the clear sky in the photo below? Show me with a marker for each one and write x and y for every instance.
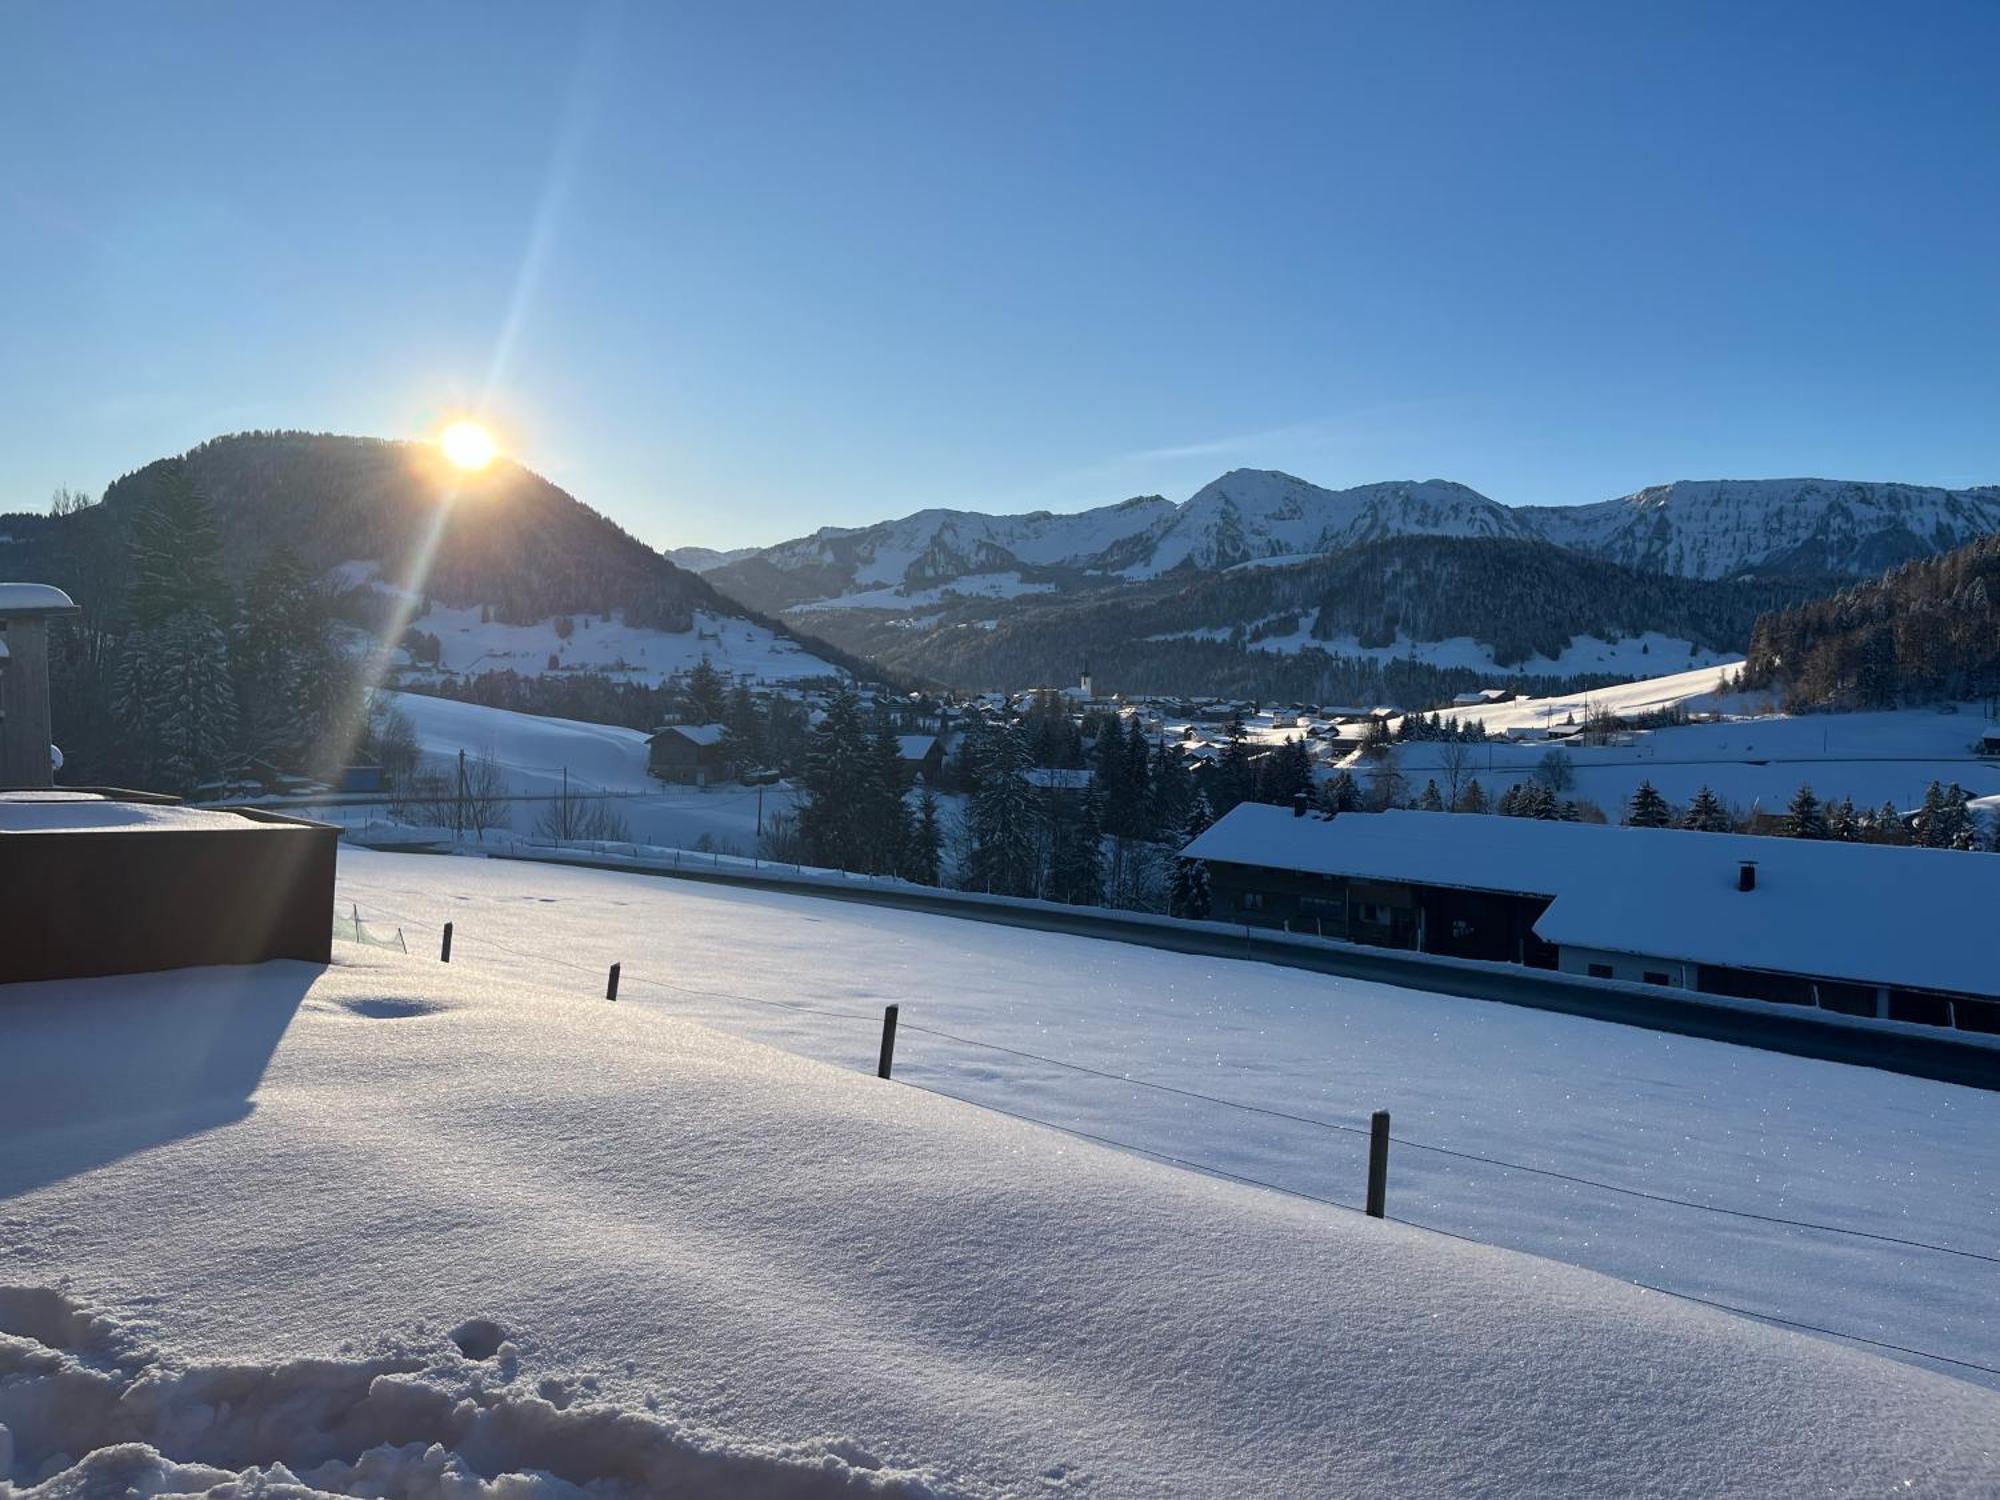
(730, 272)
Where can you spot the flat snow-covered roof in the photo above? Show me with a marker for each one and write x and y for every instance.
(61, 811)
(33, 599)
(1871, 913)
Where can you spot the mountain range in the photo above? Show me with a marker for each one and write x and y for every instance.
(1706, 529)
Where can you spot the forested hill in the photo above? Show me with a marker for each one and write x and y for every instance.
(1924, 632)
(510, 539)
(1249, 627)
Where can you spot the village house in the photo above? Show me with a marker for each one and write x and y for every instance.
(1861, 929)
(690, 754)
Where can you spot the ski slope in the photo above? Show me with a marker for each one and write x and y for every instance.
(1692, 1119)
(400, 1229)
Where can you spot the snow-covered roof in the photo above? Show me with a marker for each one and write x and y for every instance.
(61, 811)
(914, 746)
(33, 599)
(694, 734)
(1872, 913)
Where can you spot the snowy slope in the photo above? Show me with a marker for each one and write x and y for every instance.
(1670, 1115)
(533, 753)
(1714, 527)
(1754, 759)
(472, 641)
(408, 1230)
(702, 559)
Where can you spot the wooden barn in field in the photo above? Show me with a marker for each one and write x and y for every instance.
(690, 754)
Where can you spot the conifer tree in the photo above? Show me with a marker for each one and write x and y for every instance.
(1706, 814)
(1340, 794)
(1003, 818)
(885, 815)
(1431, 800)
(833, 817)
(1076, 847)
(925, 851)
(175, 695)
(1804, 818)
(1190, 894)
(1648, 809)
(1842, 823)
(1233, 779)
(705, 691)
(1473, 798)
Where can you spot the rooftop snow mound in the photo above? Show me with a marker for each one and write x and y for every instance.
(690, 1245)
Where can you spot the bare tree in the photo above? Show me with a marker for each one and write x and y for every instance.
(1455, 765)
(484, 796)
(1556, 770)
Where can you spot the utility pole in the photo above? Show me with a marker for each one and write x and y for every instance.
(760, 812)
(459, 825)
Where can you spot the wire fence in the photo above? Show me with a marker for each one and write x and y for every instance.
(868, 1024)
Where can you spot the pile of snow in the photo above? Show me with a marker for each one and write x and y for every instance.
(60, 811)
(1675, 1116)
(411, 1230)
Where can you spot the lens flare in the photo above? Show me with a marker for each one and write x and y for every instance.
(468, 445)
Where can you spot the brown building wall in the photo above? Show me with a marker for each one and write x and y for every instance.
(74, 905)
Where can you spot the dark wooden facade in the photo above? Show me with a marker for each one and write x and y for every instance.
(1496, 925)
(674, 756)
(106, 901)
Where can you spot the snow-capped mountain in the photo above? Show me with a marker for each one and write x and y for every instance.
(1250, 515)
(1712, 528)
(705, 559)
(1692, 528)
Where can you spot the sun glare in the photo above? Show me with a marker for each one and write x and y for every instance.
(468, 445)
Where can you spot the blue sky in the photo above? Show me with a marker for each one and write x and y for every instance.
(731, 272)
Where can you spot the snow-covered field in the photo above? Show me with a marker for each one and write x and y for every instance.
(399, 1229)
(533, 752)
(632, 653)
(1753, 762)
(1697, 1120)
(1651, 652)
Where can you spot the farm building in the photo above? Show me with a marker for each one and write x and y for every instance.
(691, 754)
(919, 755)
(1863, 929)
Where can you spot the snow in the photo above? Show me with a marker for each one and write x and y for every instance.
(33, 599)
(87, 812)
(1668, 1115)
(1650, 652)
(1865, 912)
(970, 586)
(534, 751)
(695, 734)
(408, 1229)
(470, 646)
(1755, 759)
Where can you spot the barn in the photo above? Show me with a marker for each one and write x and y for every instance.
(690, 754)
(1861, 929)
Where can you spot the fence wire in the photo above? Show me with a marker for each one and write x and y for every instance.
(874, 1022)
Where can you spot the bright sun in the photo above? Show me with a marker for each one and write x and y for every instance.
(468, 445)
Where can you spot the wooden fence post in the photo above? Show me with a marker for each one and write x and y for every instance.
(1378, 1163)
(611, 987)
(888, 1041)
(444, 954)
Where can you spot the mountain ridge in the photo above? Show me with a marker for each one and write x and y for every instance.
(1689, 528)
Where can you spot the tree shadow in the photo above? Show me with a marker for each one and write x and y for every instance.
(92, 1070)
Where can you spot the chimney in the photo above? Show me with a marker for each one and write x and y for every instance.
(26, 758)
(1746, 875)
(1298, 804)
